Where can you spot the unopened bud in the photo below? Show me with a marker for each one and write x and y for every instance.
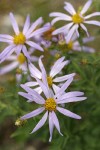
(19, 122)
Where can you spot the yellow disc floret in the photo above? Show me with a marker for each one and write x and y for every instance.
(19, 39)
(50, 104)
(70, 45)
(21, 58)
(50, 81)
(77, 18)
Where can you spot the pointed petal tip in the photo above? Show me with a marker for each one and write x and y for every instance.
(86, 6)
(53, 33)
(63, 57)
(41, 56)
(79, 117)
(84, 97)
(41, 49)
(22, 85)
(74, 74)
(61, 134)
(50, 139)
(50, 15)
(10, 13)
(67, 62)
(29, 101)
(41, 20)
(31, 132)
(19, 93)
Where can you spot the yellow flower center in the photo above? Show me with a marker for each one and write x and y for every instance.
(77, 18)
(70, 45)
(50, 81)
(50, 104)
(21, 58)
(19, 39)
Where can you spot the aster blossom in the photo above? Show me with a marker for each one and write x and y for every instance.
(76, 19)
(74, 45)
(17, 62)
(51, 77)
(18, 42)
(50, 104)
(14, 63)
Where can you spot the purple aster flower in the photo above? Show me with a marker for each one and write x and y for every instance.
(74, 45)
(19, 63)
(51, 104)
(51, 77)
(18, 42)
(77, 19)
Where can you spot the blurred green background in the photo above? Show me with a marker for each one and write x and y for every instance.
(37, 8)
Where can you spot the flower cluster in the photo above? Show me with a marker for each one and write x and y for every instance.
(48, 90)
(55, 95)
